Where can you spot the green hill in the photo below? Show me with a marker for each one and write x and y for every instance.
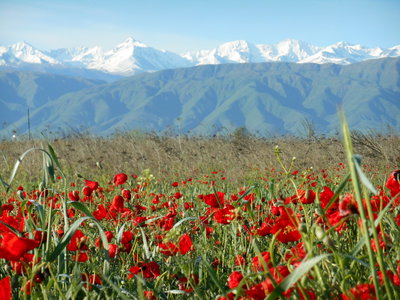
(266, 98)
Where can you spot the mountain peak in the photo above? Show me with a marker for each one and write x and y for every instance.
(22, 45)
(131, 42)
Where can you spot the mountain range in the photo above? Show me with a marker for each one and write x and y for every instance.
(267, 98)
(132, 57)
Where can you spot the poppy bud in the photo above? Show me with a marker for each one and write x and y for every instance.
(302, 228)
(328, 242)
(319, 232)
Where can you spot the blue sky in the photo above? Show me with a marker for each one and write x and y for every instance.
(185, 25)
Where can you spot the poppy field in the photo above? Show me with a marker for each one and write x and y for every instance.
(288, 233)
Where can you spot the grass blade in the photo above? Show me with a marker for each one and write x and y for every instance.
(289, 281)
(66, 238)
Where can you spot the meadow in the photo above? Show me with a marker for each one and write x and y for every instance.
(141, 216)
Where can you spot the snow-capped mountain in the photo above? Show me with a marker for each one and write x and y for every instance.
(344, 53)
(79, 56)
(245, 52)
(132, 56)
(24, 53)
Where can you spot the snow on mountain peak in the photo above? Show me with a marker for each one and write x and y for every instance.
(24, 52)
(129, 43)
(132, 56)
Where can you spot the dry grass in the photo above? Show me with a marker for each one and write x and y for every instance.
(240, 156)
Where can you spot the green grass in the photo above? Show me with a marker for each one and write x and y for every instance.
(317, 245)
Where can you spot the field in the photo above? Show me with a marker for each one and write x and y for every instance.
(153, 217)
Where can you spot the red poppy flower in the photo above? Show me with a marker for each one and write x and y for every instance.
(256, 292)
(100, 213)
(239, 260)
(214, 201)
(77, 242)
(393, 183)
(20, 266)
(13, 247)
(27, 288)
(17, 222)
(73, 195)
(258, 266)
(87, 191)
(287, 231)
(149, 270)
(297, 254)
(5, 288)
(360, 291)
(169, 248)
(325, 196)
(120, 178)
(278, 273)
(118, 203)
(112, 250)
(81, 257)
(224, 215)
(92, 184)
(234, 279)
(149, 295)
(127, 194)
(264, 229)
(127, 237)
(185, 244)
(348, 206)
(230, 296)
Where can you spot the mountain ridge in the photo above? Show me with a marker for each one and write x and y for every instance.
(266, 98)
(132, 56)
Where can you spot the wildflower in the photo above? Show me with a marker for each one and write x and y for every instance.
(149, 295)
(92, 184)
(234, 279)
(73, 195)
(118, 204)
(239, 260)
(149, 270)
(393, 183)
(77, 242)
(185, 244)
(361, 291)
(259, 266)
(120, 178)
(5, 288)
(169, 248)
(112, 250)
(256, 292)
(215, 201)
(13, 247)
(348, 206)
(100, 213)
(285, 227)
(278, 273)
(81, 257)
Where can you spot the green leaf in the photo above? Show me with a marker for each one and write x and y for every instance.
(337, 192)
(53, 156)
(145, 245)
(212, 274)
(65, 240)
(290, 280)
(82, 208)
(364, 178)
(11, 228)
(384, 211)
(184, 220)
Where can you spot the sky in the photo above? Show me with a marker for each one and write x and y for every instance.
(189, 25)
